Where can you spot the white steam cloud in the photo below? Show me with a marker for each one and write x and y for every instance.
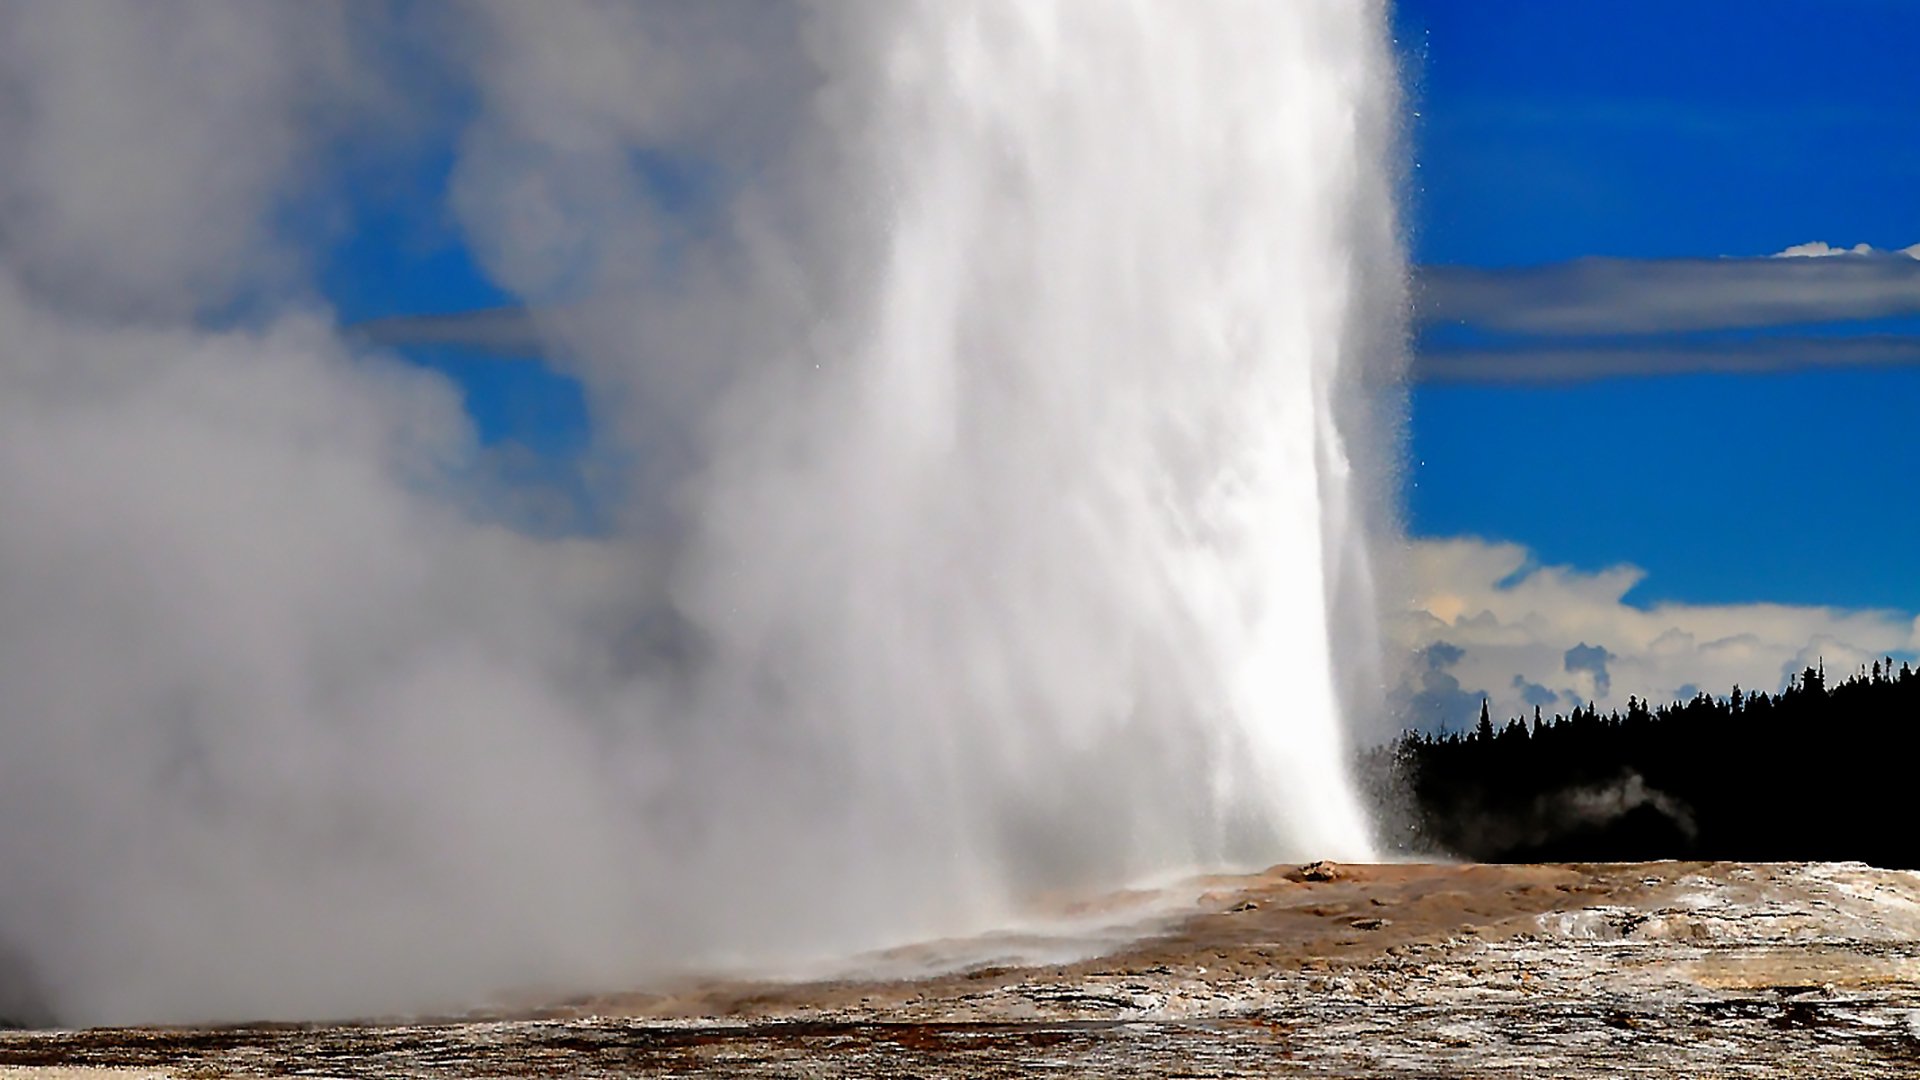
(1004, 436)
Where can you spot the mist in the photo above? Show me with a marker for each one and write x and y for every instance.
(996, 447)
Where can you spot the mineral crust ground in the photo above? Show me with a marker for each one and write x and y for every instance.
(1655, 969)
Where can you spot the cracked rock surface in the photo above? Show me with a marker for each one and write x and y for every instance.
(1657, 969)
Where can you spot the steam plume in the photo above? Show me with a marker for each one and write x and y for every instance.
(1005, 412)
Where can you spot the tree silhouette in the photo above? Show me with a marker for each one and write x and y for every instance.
(1814, 772)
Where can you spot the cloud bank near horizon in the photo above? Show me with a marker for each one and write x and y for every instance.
(1488, 621)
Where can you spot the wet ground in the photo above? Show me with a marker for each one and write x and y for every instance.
(1661, 969)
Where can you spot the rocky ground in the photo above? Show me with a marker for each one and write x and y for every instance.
(1660, 969)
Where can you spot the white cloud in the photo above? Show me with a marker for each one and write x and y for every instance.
(1518, 625)
(1822, 249)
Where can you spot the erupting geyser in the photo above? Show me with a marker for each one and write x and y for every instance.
(1001, 393)
(1054, 504)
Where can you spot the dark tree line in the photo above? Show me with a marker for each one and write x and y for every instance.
(1816, 772)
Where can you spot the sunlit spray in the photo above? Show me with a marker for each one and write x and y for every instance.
(992, 405)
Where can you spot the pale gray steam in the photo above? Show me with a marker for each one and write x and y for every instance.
(1003, 518)
(1603, 804)
(1580, 815)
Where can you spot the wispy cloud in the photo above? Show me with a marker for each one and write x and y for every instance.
(501, 331)
(1599, 318)
(1585, 319)
(1535, 361)
(1648, 296)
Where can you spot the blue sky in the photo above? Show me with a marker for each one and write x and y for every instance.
(1654, 129)
(1541, 133)
(1637, 130)
(404, 255)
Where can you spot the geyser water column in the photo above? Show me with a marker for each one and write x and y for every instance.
(1032, 548)
(995, 388)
